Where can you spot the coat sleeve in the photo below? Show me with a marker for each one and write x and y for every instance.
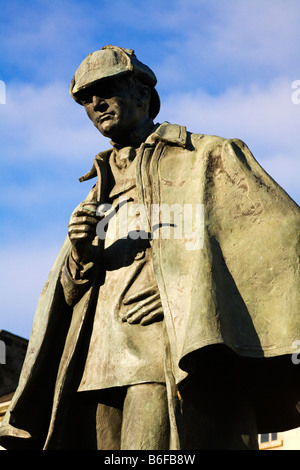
(75, 279)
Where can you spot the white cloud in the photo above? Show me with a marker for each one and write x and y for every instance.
(38, 121)
(258, 30)
(232, 42)
(260, 113)
(25, 268)
(41, 39)
(48, 143)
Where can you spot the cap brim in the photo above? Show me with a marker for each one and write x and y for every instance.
(154, 107)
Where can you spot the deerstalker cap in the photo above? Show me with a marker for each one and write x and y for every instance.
(112, 61)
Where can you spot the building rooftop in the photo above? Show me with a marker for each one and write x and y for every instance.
(12, 353)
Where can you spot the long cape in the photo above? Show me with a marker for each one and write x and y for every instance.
(239, 289)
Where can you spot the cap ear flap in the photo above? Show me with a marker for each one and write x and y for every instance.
(143, 93)
(154, 107)
(146, 92)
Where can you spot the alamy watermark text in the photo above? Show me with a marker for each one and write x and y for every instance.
(2, 92)
(296, 93)
(2, 353)
(176, 221)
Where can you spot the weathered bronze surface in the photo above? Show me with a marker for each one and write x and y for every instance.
(170, 316)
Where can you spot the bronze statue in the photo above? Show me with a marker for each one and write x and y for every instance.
(147, 335)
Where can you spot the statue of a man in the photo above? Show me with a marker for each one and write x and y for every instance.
(170, 318)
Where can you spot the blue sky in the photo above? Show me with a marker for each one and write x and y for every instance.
(224, 67)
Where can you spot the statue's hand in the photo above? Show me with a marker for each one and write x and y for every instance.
(147, 307)
(82, 231)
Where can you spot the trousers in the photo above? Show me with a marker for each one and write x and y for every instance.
(136, 418)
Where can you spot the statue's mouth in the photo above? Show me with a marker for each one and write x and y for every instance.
(105, 117)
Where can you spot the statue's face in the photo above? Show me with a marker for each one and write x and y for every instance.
(113, 108)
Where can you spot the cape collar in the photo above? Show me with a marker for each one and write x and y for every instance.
(172, 134)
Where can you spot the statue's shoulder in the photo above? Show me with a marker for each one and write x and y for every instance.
(206, 141)
(182, 137)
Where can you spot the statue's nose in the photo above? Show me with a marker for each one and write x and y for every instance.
(99, 103)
